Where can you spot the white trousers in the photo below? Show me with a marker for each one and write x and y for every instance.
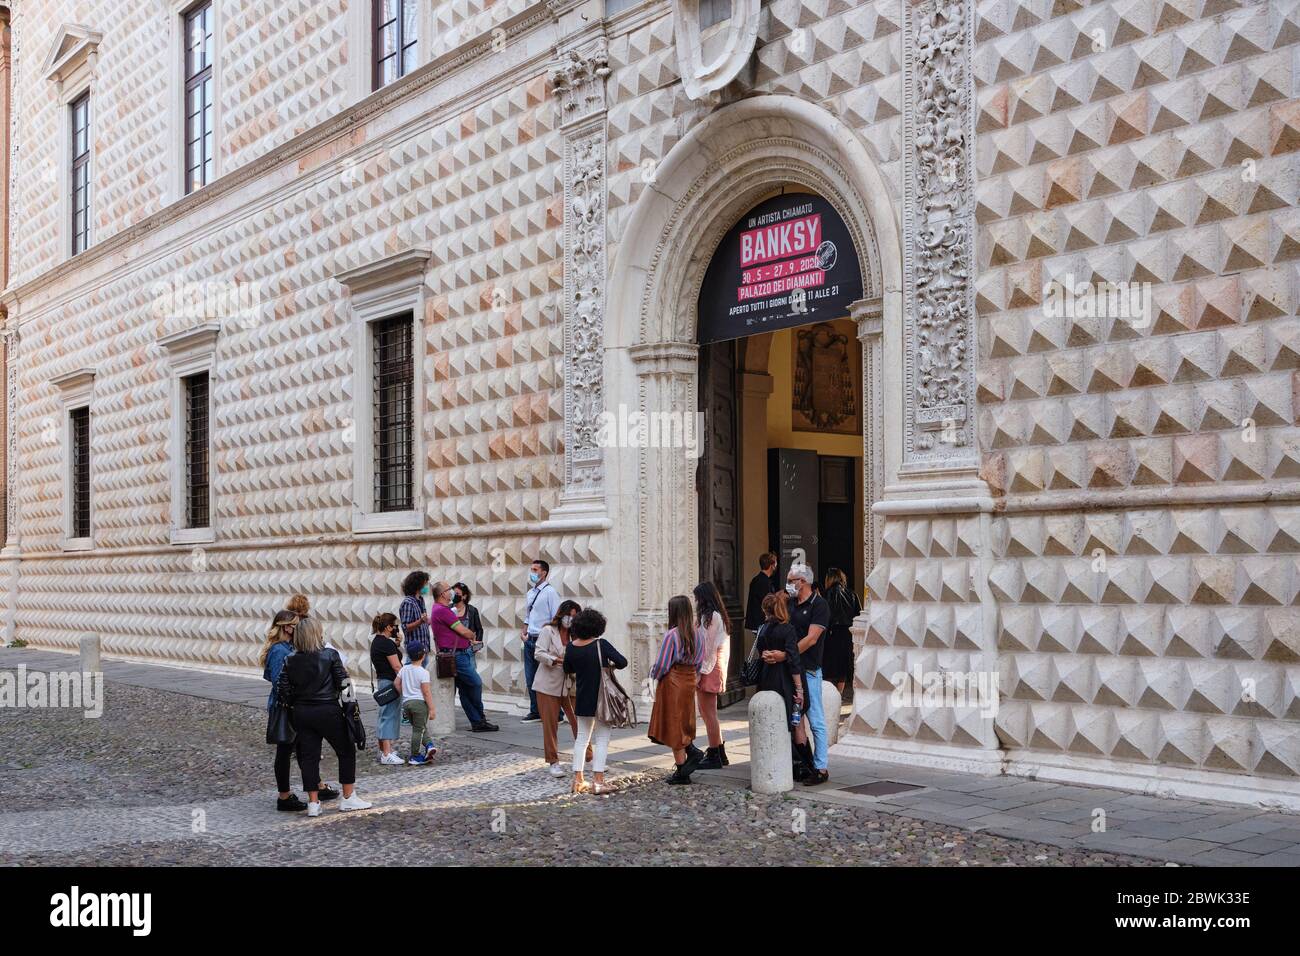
(594, 732)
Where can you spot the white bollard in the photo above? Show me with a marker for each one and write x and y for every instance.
(770, 769)
(443, 721)
(90, 663)
(831, 701)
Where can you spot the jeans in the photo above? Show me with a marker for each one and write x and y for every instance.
(283, 755)
(812, 682)
(530, 668)
(470, 686)
(315, 722)
(418, 712)
(596, 733)
(390, 714)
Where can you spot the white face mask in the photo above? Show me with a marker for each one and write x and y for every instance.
(792, 589)
(566, 621)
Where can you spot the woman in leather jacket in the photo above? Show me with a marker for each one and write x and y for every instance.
(309, 685)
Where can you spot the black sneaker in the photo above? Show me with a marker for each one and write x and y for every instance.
(290, 804)
(326, 793)
(531, 719)
(817, 778)
(484, 727)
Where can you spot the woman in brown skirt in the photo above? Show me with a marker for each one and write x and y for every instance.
(672, 721)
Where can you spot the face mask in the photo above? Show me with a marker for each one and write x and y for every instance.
(533, 577)
(424, 591)
(792, 589)
(566, 621)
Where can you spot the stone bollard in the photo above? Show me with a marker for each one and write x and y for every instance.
(831, 702)
(444, 706)
(770, 769)
(90, 663)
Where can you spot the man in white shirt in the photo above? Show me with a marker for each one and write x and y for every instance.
(540, 606)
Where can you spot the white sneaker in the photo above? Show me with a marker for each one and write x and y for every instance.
(391, 759)
(313, 809)
(558, 771)
(353, 802)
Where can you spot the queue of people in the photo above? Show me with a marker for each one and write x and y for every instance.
(801, 638)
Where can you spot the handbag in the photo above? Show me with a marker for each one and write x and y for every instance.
(613, 706)
(445, 664)
(752, 669)
(386, 696)
(352, 714)
(279, 728)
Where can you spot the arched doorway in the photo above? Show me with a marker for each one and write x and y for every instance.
(724, 167)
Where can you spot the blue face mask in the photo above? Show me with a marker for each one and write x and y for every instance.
(533, 577)
(424, 591)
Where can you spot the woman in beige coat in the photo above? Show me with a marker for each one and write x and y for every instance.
(553, 689)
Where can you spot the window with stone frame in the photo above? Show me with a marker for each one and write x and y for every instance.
(395, 37)
(199, 101)
(79, 139)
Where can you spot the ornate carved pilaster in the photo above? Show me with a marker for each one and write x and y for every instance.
(11, 358)
(578, 79)
(666, 382)
(939, 238)
(869, 315)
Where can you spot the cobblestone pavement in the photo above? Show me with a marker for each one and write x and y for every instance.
(166, 778)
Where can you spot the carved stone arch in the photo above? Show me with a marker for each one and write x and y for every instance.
(723, 167)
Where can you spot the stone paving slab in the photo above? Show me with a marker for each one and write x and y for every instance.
(1184, 831)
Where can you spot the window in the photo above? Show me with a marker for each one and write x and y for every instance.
(395, 39)
(79, 116)
(198, 103)
(79, 506)
(713, 12)
(387, 299)
(618, 6)
(191, 353)
(394, 379)
(196, 450)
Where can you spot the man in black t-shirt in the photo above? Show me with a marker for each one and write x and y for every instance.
(810, 616)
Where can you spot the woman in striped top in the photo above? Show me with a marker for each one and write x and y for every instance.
(672, 721)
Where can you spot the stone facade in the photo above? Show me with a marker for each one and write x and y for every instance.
(1104, 513)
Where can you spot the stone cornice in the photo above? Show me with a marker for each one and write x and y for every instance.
(409, 265)
(191, 341)
(533, 16)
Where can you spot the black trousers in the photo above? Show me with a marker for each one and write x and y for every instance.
(314, 722)
(283, 755)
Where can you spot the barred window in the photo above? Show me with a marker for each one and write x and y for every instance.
(396, 26)
(79, 114)
(79, 430)
(196, 451)
(198, 96)
(394, 381)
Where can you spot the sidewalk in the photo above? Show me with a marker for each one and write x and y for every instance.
(1162, 829)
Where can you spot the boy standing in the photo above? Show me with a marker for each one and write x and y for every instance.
(417, 703)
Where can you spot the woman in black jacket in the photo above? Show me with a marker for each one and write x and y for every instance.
(467, 613)
(837, 654)
(309, 685)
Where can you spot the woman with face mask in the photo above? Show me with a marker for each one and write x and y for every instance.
(553, 688)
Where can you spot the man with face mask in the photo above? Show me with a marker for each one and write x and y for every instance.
(449, 634)
(540, 606)
(810, 616)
